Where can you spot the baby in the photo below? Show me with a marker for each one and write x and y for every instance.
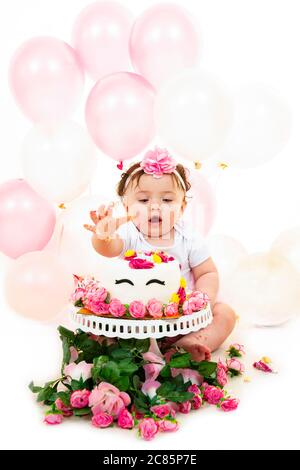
(153, 193)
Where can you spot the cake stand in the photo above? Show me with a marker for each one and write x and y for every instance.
(141, 329)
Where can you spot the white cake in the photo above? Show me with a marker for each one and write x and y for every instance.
(129, 284)
(139, 285)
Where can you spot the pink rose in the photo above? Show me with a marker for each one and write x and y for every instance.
(194, 389)
(213, 394)
(66, 410)
(168, 426)
(154, 308)
(229, 404)
(137, 309)
(260, 365)
(236, 350)
(171, 310)
(53, 418)
(222, 374)
(136, 413)
(116, 308)
(80, 398)
(235, 366)
(196, 302)
(196, 402)
(157, 162)
(149, 388)
(161, 411)
(75, 371)
(106, 398)
(185, 407)
(77, 294)
(140, 263)
(98, 308)
(125, 419)
(153, 369)
(148, 428)
(102, 420)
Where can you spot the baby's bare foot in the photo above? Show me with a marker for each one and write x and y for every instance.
(198, 351)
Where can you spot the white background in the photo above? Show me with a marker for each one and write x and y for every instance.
(244, 41)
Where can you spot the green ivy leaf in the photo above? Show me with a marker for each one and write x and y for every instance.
(179, 397)
(110, 372)
(123, 383)
(127, 367)
(180, 361)
(65, 397)
(82, 411)
(64, 332)
(207, 368)
(166, 372)
(118, 353)
(45, 394)
(34, 388)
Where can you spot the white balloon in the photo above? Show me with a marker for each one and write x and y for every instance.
(226, 253)
(261, 127)
(287, 244)
(193, 114)
(264, 288)
(59, 163)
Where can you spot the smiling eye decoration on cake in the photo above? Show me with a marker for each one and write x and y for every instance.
(139, 285)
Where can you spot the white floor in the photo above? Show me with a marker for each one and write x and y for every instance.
(268, 416)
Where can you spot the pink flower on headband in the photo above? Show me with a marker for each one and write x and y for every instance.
(157, 162)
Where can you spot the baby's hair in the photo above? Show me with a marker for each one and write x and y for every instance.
(122, 185)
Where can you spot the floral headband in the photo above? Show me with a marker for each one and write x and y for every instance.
(157, 162)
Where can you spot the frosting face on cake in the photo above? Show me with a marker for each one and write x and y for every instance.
(126, 278)
(141, 285)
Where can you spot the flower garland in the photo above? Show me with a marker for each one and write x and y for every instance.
(123, 383)
(93, 298)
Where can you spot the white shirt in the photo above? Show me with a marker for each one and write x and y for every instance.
(188, 248)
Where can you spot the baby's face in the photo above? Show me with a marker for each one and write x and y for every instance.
(156, 204)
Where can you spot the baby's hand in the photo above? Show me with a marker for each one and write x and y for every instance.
(105, 225)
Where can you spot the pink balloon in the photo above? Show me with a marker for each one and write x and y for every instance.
(37, 286)
(101, 36)
(163, 41)
(27, 220)
(200, 212)
(119, 114)
(46, 79)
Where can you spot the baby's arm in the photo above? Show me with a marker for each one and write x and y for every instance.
(207, 279)
(105, 240)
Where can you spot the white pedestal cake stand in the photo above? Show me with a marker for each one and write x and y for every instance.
(140, 329)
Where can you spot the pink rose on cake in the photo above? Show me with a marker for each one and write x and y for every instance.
(106, 398)
(154, 308)
(140, 263)
(171, 310)
(116, 308)
(137, 309)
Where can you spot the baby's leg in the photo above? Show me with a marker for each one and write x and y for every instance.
(201, 343)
